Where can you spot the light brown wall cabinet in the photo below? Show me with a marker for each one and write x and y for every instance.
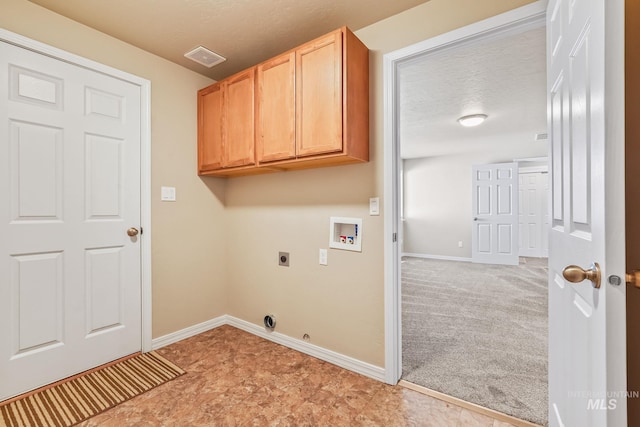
(311, 110)
(226, 124)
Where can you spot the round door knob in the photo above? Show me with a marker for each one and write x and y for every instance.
(633, 278)
(132, 231)
(576, 274)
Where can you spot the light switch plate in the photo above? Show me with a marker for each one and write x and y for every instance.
(374, 206)
(323, 257)
(168, 194)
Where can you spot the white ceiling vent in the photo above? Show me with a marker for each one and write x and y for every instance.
(541, 137)
(204, 56)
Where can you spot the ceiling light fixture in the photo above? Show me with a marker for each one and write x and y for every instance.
(472, 120)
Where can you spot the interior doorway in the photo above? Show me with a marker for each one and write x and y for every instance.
(436, 157)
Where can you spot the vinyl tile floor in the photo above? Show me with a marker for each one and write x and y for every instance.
(237, 379)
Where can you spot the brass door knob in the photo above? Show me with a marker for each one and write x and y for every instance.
(633, 278)
(132, 231)
(575, 274)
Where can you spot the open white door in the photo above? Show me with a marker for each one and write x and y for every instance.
(587, 363)
(494, 233)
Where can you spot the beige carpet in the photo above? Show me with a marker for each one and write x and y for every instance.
(478, 332)
(72, 401)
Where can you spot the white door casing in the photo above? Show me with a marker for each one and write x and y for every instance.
(533, 213)
(71, 278)
(587, 356)
(494, 232)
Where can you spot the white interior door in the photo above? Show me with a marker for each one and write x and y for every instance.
(533, 216)
(587, 357)
(70, 285)
(494, 234)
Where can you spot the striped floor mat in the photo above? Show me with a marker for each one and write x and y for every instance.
(70, 402)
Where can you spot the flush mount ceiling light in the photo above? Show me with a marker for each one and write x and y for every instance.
(472, 120)
(204, 56)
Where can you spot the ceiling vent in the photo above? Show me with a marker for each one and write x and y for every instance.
(541, 137)
(204, 56)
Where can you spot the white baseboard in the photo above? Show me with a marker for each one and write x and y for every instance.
(442, 257)
(346, 362)
(185, 333)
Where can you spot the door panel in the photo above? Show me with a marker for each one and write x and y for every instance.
(544, 240)
(556, 112)
(70, 281)
(210, 105)
(495, 220)
(276, 109)
(103, 176)
(504, 239)
(37, 285)
(319, 96)
(104, 289)
(580, 123)
(238, 119)
(504, 191)
(484, 199)
(35, 87)
(99, 103)
(36, 176)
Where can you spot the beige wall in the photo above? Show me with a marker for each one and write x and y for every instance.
(438, 196)
(215, 249)
(187, 254)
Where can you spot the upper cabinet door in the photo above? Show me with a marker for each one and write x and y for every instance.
(239, 120)
(210, 128)
(319, 96)
(276, 124)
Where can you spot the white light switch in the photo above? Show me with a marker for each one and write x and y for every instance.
(168, 194)
(374, 206)
(323, 257)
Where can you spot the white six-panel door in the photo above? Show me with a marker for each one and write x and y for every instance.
(587, 338)
(70, 294)
(494, 233)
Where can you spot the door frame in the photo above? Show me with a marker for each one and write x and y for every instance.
(526, 17)
(145, 158)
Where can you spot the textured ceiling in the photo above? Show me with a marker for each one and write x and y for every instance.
(504, 78)
(244, 31)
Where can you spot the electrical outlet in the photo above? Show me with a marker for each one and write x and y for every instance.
(323, 257)
(460, 244)
(283, 259)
